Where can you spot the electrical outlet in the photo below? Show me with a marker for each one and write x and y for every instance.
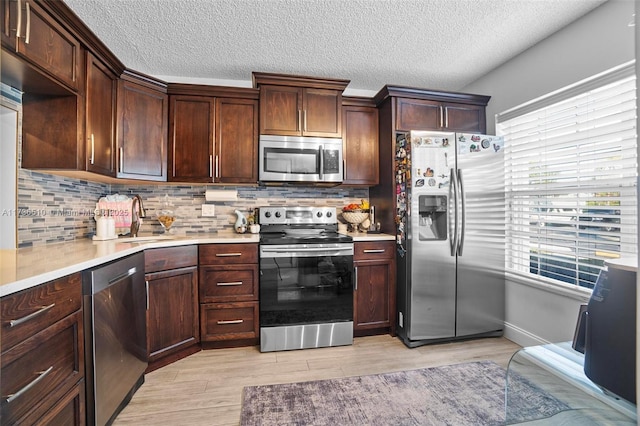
(208, 210)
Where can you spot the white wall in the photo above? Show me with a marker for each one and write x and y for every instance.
(599, 41)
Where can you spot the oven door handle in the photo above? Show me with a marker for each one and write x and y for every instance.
(305, 251)
(321, 149)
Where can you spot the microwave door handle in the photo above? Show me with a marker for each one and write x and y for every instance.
(321, 162)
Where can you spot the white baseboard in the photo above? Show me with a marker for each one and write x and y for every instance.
(521, 336)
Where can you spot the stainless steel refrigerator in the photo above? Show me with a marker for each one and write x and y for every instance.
(450, 238)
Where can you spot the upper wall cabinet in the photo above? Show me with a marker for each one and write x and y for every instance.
(300, 106)
(419, 114)
(142, 126)
(100, 102)
(29, 32)
(213, 134)
(360, 140)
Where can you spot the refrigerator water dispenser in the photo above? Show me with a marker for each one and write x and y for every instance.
(432, 223)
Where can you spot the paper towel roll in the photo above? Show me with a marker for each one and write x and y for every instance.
(220, 195)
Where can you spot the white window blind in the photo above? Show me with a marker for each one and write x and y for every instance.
(571, 172)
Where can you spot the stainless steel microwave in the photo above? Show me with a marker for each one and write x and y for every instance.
(294, 159)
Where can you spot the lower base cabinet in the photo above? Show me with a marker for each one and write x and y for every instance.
(173, 325)
(374, 298)
(42, 359)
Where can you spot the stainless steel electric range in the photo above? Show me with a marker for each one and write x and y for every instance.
(306, 279)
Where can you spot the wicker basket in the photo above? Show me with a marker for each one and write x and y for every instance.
(355, 217)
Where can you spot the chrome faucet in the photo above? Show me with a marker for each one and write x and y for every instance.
(136, 215)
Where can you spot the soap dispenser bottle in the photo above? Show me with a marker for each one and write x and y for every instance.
(241, 223)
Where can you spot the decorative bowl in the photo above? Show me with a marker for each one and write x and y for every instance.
(355, 217)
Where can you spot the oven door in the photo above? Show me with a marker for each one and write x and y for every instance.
(306, 284)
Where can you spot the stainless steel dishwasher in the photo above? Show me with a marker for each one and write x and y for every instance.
(115, 303)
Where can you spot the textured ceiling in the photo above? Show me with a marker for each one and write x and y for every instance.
(435, 44)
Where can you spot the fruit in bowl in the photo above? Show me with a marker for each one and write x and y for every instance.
(355, 207)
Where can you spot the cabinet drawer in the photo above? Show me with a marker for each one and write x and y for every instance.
(42, 368)
(228, 283)
(27, 312)
(371, 250)
(164, 259)
(228, 321)
(224, 254)
(69, 410)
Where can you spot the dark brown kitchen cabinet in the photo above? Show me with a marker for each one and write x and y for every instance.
(374, 298)
(300, 106)
(360, 145)
(213, 139)
(100, 101)
(42, 360)
(420, 114)
(142, 126)
(191, 138)
(30, 32)
(236, 140)
(173, 324)
(229, 293)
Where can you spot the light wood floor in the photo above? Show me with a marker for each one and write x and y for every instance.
(206, 388)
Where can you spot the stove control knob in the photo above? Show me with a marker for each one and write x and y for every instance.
(267, 214)
(319, 214)
(278, 214)
(329, 214)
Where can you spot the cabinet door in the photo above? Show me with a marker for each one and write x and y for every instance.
(236, 131)
(360, 146)
(142, 132)
(464, 118)
(322, 113)
(418, 114)
(100, 107)
(372, 307)
(191, 138)
(41, 40)
(172, 317)
(280, 110)
(9, 19)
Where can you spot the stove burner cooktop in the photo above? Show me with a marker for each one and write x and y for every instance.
(299, 225)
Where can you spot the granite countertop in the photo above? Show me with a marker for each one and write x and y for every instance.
(27, 267)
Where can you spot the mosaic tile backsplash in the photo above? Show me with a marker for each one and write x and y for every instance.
(53, 208)
(61, 209)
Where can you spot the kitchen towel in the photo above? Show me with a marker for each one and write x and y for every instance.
(119, 207)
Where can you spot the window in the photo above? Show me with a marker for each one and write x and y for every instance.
(571, 172)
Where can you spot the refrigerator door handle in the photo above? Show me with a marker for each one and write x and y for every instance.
(453, 196)
(463, 218)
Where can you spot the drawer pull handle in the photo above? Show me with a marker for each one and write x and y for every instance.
(374, 251)
(223, 322)
(42, 310)
(41, 375)
(230, 283)
(228, 254)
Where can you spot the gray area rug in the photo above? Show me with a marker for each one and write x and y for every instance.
(460, 394)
